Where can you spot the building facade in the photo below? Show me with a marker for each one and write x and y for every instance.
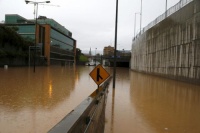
(108, 51)
(54, 43)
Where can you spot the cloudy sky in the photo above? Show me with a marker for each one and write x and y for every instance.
(92, 22)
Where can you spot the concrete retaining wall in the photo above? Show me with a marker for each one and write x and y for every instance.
(88, 117)
(171, 48)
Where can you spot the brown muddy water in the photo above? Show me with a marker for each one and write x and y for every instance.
(35, 102)
(148, 104)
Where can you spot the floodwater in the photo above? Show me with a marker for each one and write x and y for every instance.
(148, 104)
(35, 102)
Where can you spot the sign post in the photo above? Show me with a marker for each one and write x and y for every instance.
(99, 74)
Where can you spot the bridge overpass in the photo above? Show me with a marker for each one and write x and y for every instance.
(121, 61)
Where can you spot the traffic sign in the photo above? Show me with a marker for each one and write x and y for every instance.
(99, 74)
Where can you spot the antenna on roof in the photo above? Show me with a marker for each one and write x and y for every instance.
(50, 5)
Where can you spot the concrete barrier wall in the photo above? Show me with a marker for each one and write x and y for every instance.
(88, 117)
(171, 48)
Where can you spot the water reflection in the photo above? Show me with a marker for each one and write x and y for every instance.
(35, 102)
(22, 88)
(50, 89)
(113, 111)
(121, 115)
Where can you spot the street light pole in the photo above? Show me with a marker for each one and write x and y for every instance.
(116, 21)
(166, 9)
(141, 18)
(95, 56)
(35, 16)
(135, 23)
(36, 12)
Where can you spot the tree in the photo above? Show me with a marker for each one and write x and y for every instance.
(12, 44)
(80, 57)
(78, 54)
(83, 58)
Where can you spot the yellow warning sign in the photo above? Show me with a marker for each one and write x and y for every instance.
(99, 74)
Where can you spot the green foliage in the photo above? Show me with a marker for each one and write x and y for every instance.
(29, 40)
(83, 58)
(80, 57)
(15, 28)
(78, 53)
(11, 44)
(11, 54)
(10, 36)
(2, 53)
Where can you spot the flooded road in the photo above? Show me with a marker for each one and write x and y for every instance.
(150, 104)
(35, 102)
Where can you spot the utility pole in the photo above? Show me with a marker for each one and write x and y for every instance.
(116, 20)
(135, 23)
(166, 6)
(95, 56)
(35, 16)
(141, 18)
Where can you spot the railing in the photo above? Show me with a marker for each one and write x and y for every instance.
(169, 12)
(87, 116)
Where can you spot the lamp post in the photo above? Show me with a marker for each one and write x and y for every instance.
(116, 23)
(95, 55)
(141, 17)
(166, 9)
(35, 16)
(135, 22)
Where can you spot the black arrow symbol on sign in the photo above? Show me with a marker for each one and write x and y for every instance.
(98, 74)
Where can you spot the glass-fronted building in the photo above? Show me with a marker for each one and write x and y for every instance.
(54, 42)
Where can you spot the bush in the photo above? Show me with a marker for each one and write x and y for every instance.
(2, 53)
(83, 58)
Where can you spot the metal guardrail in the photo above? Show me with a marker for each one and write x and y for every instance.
(80, 119)
(169, 12)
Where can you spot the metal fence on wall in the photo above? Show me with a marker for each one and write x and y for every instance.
(169, 12)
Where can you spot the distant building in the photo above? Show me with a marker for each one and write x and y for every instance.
(108, 51)
(53, 40)
(90, 52)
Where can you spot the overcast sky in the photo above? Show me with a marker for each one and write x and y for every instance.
(92, 22)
